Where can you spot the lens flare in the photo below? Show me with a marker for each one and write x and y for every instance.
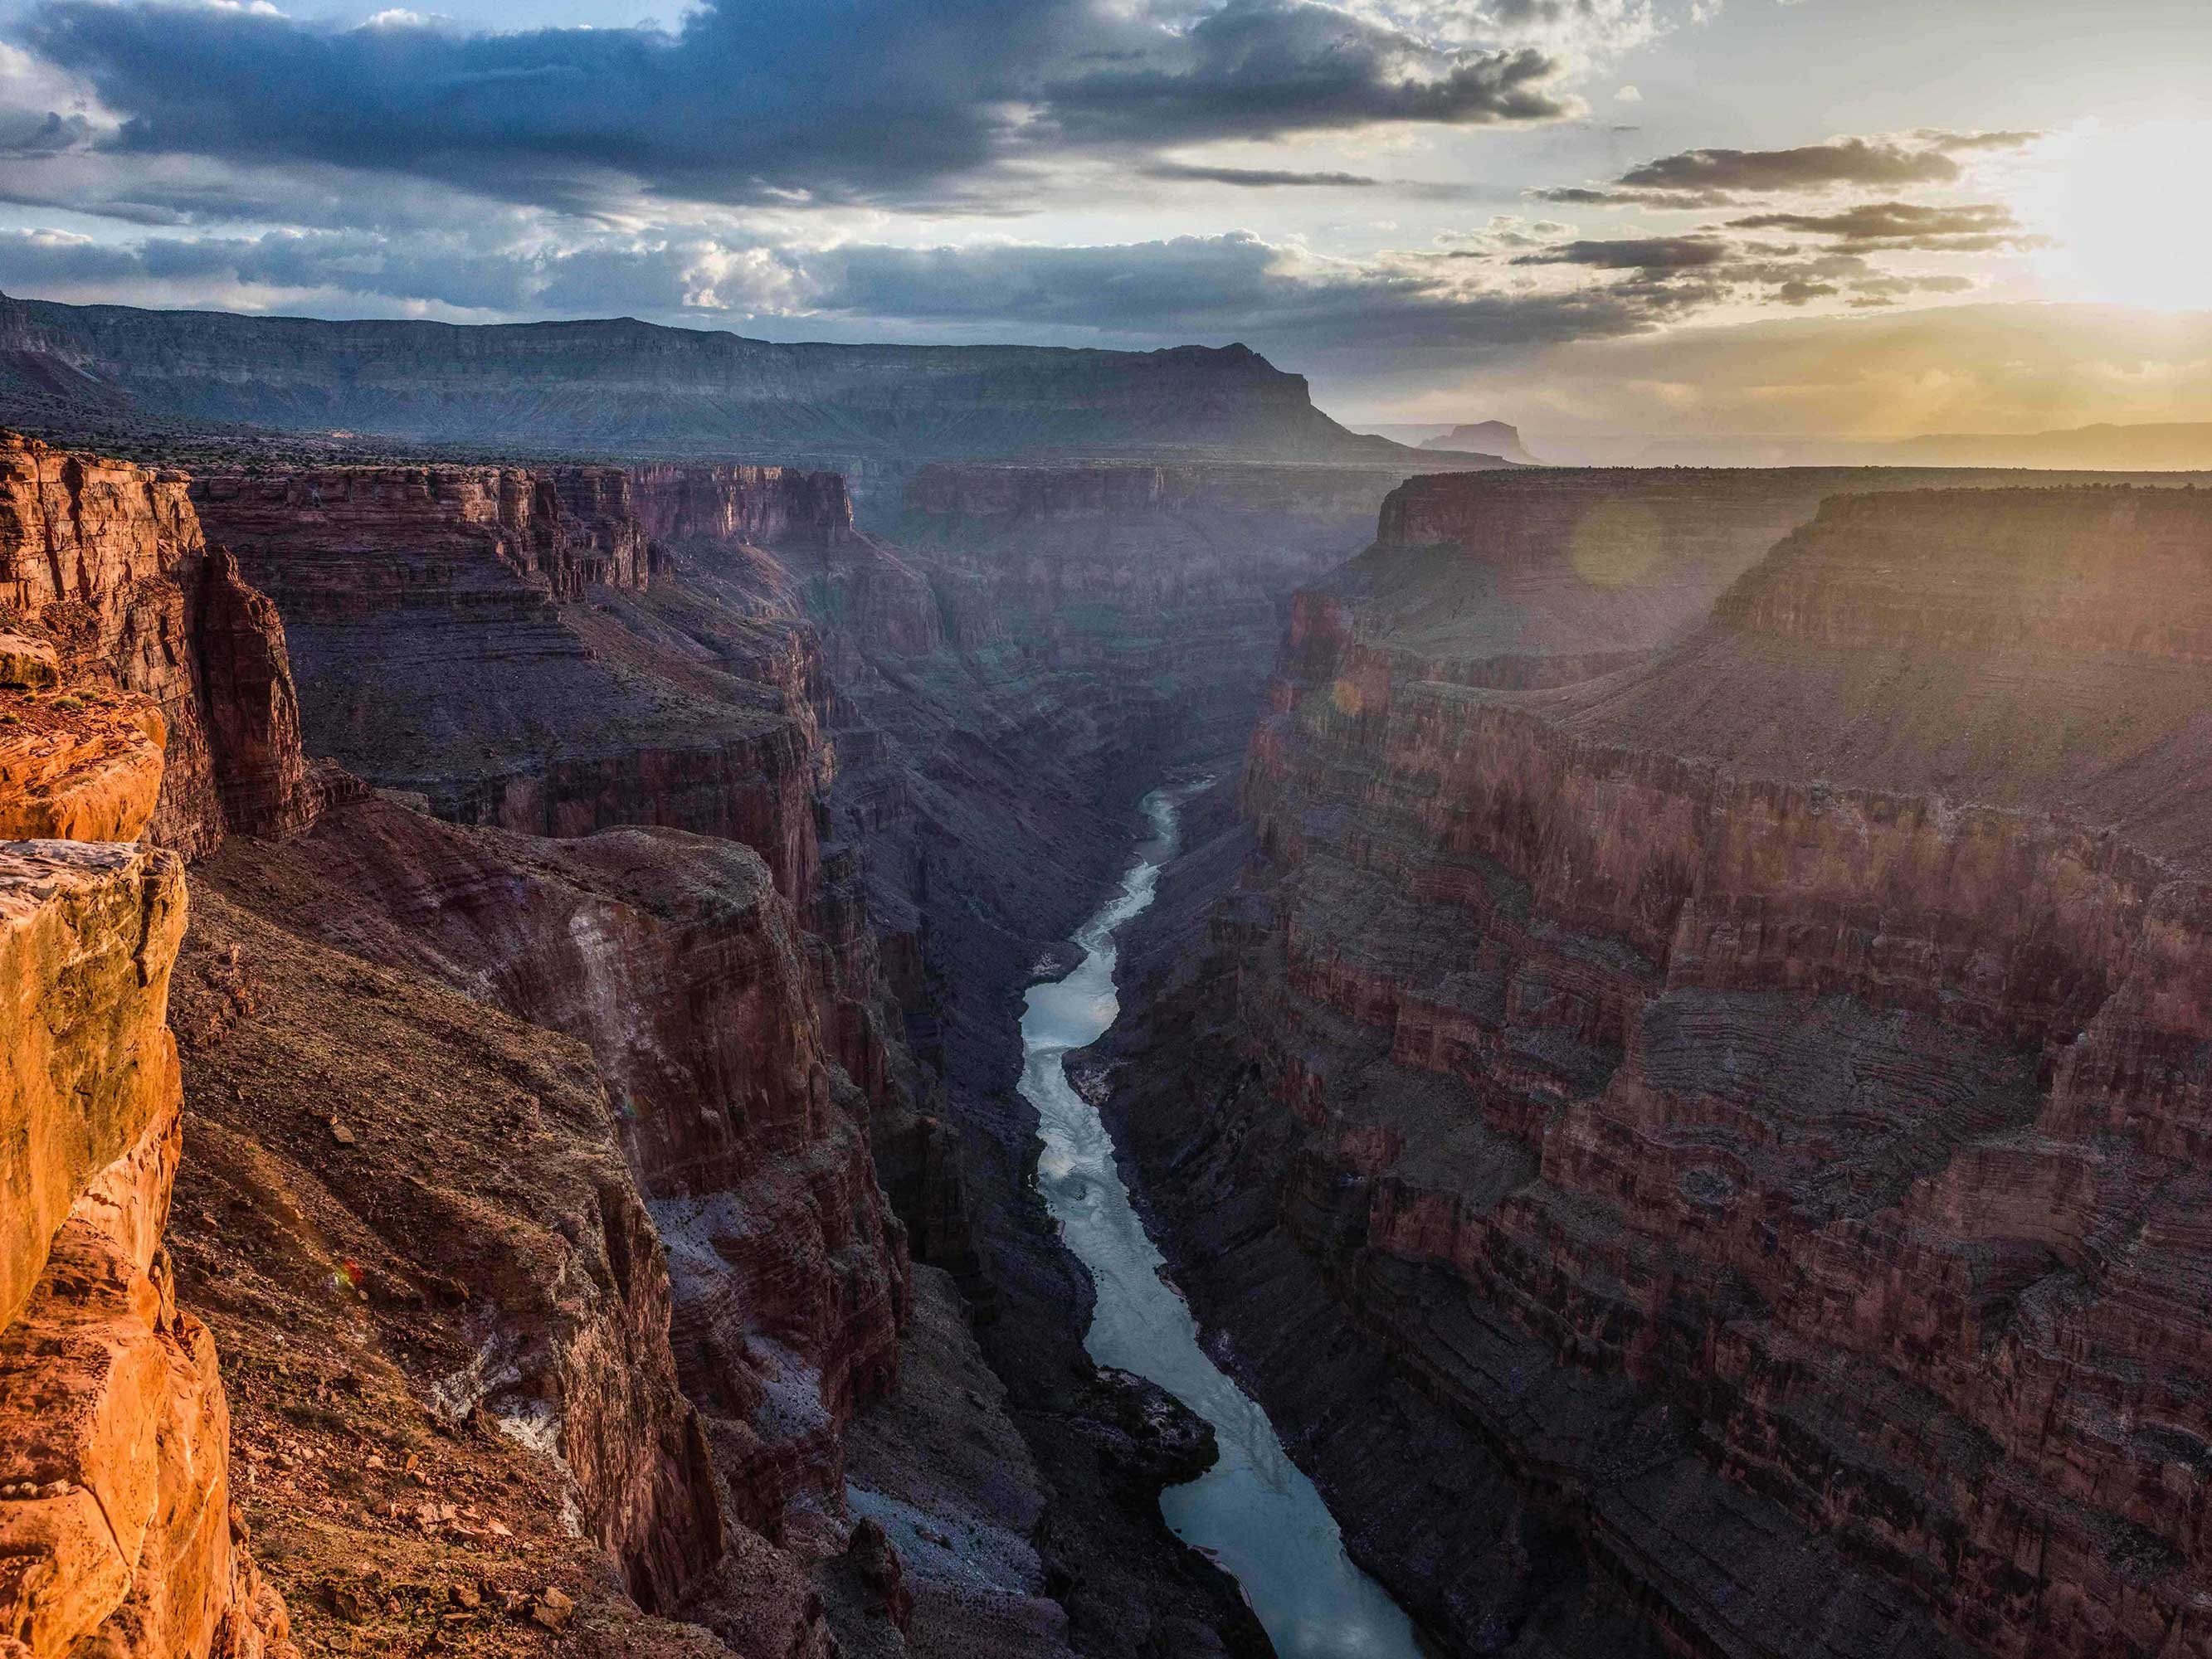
(2123, 231)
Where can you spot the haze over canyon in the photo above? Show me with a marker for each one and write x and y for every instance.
(1048, 829)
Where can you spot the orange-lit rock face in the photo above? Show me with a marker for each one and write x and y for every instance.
(1799, 1027)
(115, 1526)
(87, 936)
(112, 583)
(74, 769)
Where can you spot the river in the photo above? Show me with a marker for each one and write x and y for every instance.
(1255, 1512)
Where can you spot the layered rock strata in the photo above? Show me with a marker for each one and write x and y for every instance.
(103, 565)
(1738, 1103)
(437, 651)
(116, 1528)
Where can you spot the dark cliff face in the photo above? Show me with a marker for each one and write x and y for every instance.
(626, 387)
(1732, 1112)
(440, 650)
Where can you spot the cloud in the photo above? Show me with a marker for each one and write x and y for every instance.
(1628, 95)
(1637, 253)
(773, 101)
(1259, 70)
(1970, 227)
(1958, 143)
(1718, 172)
(1696, 179)
(1253, 178)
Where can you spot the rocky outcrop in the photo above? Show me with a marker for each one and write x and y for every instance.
(80, 766)
(444, 1296)
(116, 1529)
(675, 961)
(750, 506)
(1738, 1100)
(104, 564)
(624, 386)
(486, 536)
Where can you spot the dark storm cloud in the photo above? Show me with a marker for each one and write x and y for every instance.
(763, 101)
(1257, 69)
(1969, 227)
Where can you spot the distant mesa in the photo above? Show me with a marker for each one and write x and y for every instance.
(1485, 438)
(611, 387)
(2175, 446)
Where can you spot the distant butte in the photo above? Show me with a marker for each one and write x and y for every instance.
(1485, 438)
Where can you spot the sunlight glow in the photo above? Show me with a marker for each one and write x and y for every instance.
(2126, 227)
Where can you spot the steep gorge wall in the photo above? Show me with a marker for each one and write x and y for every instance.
(1747, 1101)
(735, 1008)
(958, 718)
(440, 650)
(118, 599)
(116, 1525)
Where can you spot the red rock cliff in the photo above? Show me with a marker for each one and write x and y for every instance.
(452, 636)
(105, 562)
(1777, 1057)
(116, 1529)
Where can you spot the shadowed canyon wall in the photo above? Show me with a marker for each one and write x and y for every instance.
(1710, 1056)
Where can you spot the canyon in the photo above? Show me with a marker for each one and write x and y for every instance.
(1701, 1045)
(1667, 1060)
(600, 1183)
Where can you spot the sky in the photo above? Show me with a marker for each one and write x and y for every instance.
(1864, 218)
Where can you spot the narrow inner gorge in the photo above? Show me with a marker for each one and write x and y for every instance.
(1255, 1512)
